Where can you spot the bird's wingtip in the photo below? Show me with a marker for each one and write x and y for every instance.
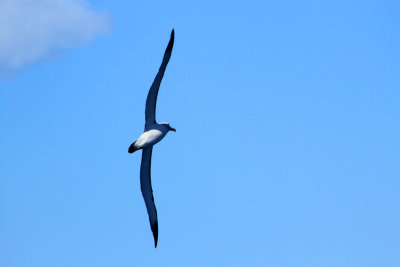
(171, 41)
(154, 229)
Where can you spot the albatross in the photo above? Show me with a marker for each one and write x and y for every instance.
(153, 133)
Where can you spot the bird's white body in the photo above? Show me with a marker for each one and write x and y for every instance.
(154, 134)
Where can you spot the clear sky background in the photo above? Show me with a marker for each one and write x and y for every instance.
(287, 146)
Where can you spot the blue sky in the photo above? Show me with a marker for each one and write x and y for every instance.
(287, 146)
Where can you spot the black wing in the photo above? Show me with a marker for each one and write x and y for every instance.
(153, 92)
(147, 191)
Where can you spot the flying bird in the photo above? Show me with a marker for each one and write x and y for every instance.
(153, 133)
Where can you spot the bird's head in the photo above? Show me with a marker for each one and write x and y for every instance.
(166, 124)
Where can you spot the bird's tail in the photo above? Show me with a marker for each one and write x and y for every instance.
(132, 148)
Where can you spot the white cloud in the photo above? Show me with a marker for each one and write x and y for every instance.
(31, 30)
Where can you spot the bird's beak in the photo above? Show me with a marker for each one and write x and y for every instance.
(173, 129)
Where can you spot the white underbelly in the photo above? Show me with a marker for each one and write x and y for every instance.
(150, 138)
